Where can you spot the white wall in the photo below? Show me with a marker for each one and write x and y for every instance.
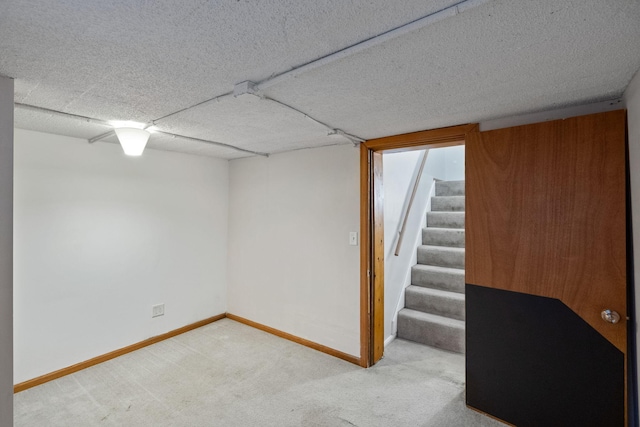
(399, 171)
(6, 251)
(101, 237)
(454, 163)
(632, 103)
(290, 263)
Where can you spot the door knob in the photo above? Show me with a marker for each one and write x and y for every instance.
(610, 316)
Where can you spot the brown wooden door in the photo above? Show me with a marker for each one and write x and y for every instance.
(545, 255)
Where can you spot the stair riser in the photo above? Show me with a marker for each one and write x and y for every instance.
(435, 304)
(433, 334)
(438, 280)
(445, 219)
(442, 258)
(447, 204)
(450, 188)
(453, 238)
(434, 312)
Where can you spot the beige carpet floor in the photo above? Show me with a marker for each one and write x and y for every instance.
(229, 374)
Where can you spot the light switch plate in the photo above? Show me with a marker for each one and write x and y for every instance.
(353, 238)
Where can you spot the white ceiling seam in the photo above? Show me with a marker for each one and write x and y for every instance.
(412, 26)
(252, 88)
(112, 132)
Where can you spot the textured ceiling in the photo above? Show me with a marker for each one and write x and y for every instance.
(144, 59)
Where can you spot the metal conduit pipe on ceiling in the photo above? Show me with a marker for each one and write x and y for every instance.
(418, 24)
(402, 30)
(111, 132)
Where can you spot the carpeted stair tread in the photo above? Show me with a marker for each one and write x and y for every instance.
(447, 204)
(436, 277)
(435, 236)
(442, 256)
(435, 301)
(434, 312)
(431, 329)
(450, 188)
(445, 219)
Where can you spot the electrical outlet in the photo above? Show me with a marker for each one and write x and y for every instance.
(157, 310)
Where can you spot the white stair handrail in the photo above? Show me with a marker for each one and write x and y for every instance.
(413, 195)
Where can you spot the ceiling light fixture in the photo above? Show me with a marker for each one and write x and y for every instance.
(132, 140)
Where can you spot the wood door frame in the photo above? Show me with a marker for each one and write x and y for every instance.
(372, 226)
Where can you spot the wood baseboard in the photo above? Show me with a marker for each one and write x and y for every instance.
(137, 346)
(319, 347)
(103, 358)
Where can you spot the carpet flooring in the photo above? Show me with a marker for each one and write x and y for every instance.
(229, 374)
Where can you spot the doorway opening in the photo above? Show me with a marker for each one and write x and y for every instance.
(424, 247)
(372, 307)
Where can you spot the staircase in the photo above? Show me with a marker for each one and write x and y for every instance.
(434, 302)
